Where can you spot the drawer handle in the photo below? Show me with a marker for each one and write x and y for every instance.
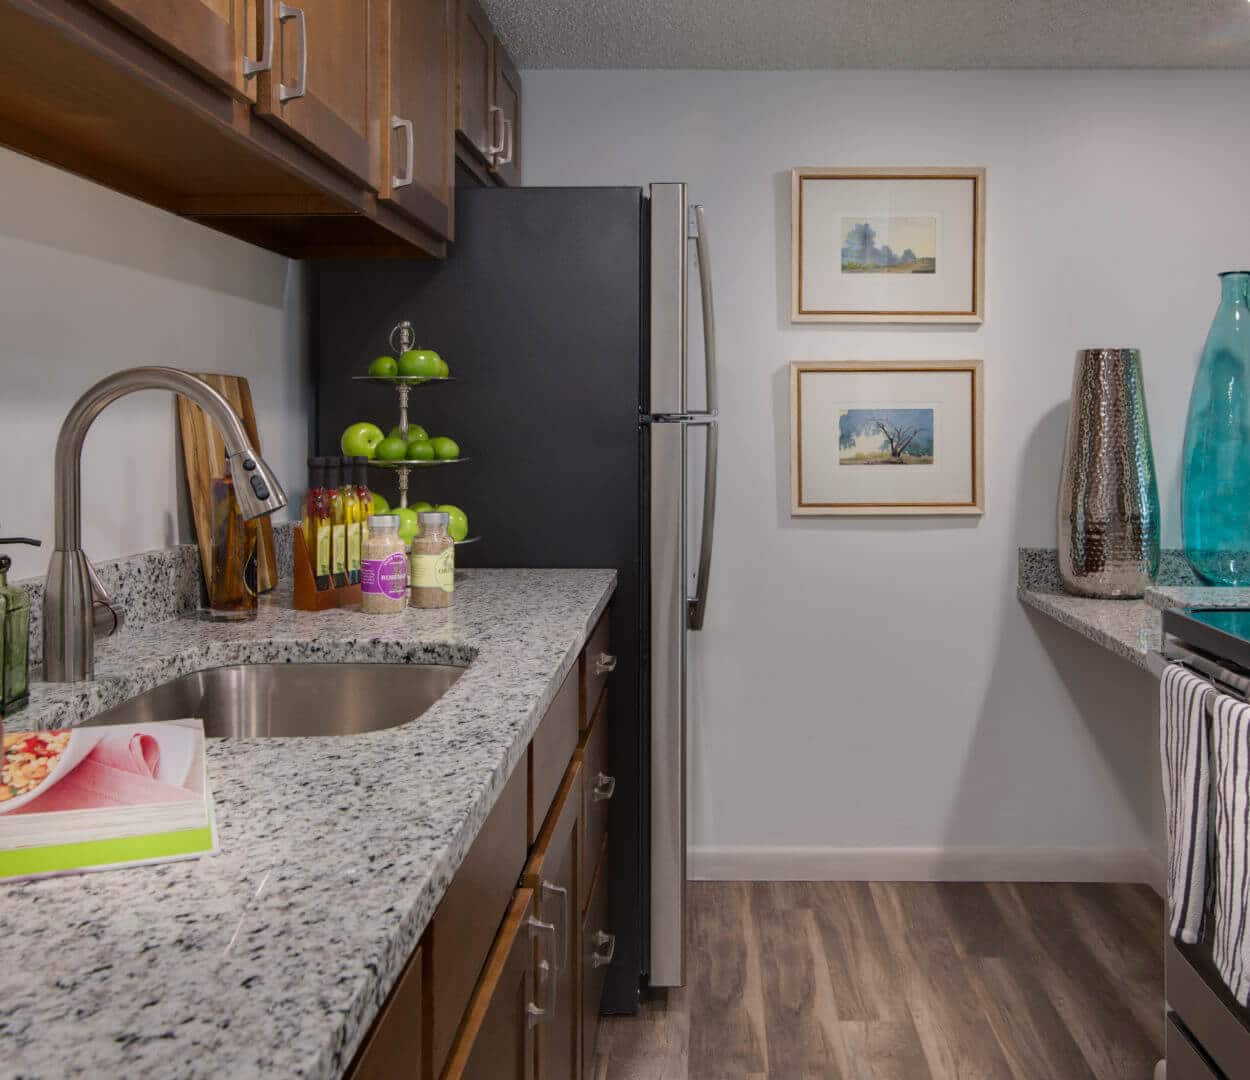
(507, 154)
(290, 93)
(605, 949)
(562, 936)
(398, 123)
(605, 788)
(265, 63)
(606, 664)
(534, 1013)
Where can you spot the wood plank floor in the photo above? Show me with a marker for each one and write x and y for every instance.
(906, 982)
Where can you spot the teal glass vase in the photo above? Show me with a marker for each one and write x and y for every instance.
(1215, 483)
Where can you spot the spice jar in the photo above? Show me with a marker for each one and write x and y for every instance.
(433, 562)
(383, 567)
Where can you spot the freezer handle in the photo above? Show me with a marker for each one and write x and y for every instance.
(696, 605)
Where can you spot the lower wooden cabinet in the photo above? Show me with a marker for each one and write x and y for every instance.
(395, 1046)
(596, 954)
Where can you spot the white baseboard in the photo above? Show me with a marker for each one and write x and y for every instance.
(921, 864)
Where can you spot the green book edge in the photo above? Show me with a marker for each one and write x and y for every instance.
(57, 858)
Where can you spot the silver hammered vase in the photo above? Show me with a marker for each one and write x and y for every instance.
(1108, 494)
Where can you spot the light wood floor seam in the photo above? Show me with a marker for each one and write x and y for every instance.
(966, 981)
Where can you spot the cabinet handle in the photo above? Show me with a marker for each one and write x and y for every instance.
(290, 93)
(507, 154)
(496, 114)
(534, 1013)
(562, 937)
(606, 664)
(605, 788)
(396, 124)
(605, 949)
(265, 63)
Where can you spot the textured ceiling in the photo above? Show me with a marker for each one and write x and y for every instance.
(776, 34)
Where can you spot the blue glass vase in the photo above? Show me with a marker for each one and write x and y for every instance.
(1215, 485)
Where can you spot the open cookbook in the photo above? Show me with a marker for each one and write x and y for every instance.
(91, 798)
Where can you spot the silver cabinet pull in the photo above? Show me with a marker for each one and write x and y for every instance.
(563, 935)
(606, 664)
(398, 123)
(536, 1014)
(605, 949)
(496, 142)
(265, 63)
(605, 788)
(285, 92)
(507, 154)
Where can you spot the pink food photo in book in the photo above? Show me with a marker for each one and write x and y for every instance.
(91, 768)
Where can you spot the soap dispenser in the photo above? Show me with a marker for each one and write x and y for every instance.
(14, 635)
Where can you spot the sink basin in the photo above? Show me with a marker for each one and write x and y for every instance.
(281, 700)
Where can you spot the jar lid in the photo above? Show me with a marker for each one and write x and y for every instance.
(383, 521)
(434, 517)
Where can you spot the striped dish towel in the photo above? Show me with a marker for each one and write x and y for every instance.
(1230, 844)
(1186, 788)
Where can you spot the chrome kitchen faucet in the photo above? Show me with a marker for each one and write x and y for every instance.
(73, 589)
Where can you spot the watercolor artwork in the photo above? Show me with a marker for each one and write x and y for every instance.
(885, 436)
(889, 245)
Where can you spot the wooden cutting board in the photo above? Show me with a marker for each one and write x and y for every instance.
(204, 454)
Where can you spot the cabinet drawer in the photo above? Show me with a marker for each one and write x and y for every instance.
(467, 920)
(597, 945)
(598, 788)
(394, 1045)
(496, 1040)
(1208, 1011)
(551, 750)
(597, 663)
(1185, 1060)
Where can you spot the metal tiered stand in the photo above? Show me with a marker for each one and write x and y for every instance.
(403, 338)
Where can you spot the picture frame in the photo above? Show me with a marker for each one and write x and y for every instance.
(888, 245)
(887, 438)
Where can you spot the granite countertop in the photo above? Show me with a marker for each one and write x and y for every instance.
(274, 957)
(1131, 629)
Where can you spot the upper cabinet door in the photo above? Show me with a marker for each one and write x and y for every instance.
(222, 39)
(507, 162)
(475, 75)
(324, 85)
(418, 157)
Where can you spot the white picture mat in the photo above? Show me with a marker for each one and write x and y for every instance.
(825, 479)
(826, 201)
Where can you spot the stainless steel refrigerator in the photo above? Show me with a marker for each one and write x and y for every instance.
(578, 322)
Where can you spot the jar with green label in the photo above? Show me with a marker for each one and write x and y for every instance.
(432, 564)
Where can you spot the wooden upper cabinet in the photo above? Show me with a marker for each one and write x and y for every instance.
(219, 38)
(323, 89)
(418, 147)
(475, 80)
(507, 164)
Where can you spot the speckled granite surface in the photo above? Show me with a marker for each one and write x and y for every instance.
(273, 958)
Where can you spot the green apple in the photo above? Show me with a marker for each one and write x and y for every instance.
(420, 450)
(423, 363)
(391, 449)
(422, 506)
(458, 524)
(443, 370)
(361, 440)
(380, 505)
(408, 524)
(445, 449)
(415, 431)
(384, 366)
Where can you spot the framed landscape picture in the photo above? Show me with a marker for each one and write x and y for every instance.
(888, 245)
(886, 438)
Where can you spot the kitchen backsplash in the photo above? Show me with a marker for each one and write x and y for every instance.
(152, 586)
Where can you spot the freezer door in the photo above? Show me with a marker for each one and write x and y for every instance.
(668, 704)
(667, 391)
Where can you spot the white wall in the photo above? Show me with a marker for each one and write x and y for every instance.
(869, 698)
(91, 282)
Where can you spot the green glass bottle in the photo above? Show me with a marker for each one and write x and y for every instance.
(14, 636)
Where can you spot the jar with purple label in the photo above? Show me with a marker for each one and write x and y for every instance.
(383, 567)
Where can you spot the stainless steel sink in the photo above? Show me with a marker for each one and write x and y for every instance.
(281, 700)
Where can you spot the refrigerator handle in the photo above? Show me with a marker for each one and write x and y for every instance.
(697, 604)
